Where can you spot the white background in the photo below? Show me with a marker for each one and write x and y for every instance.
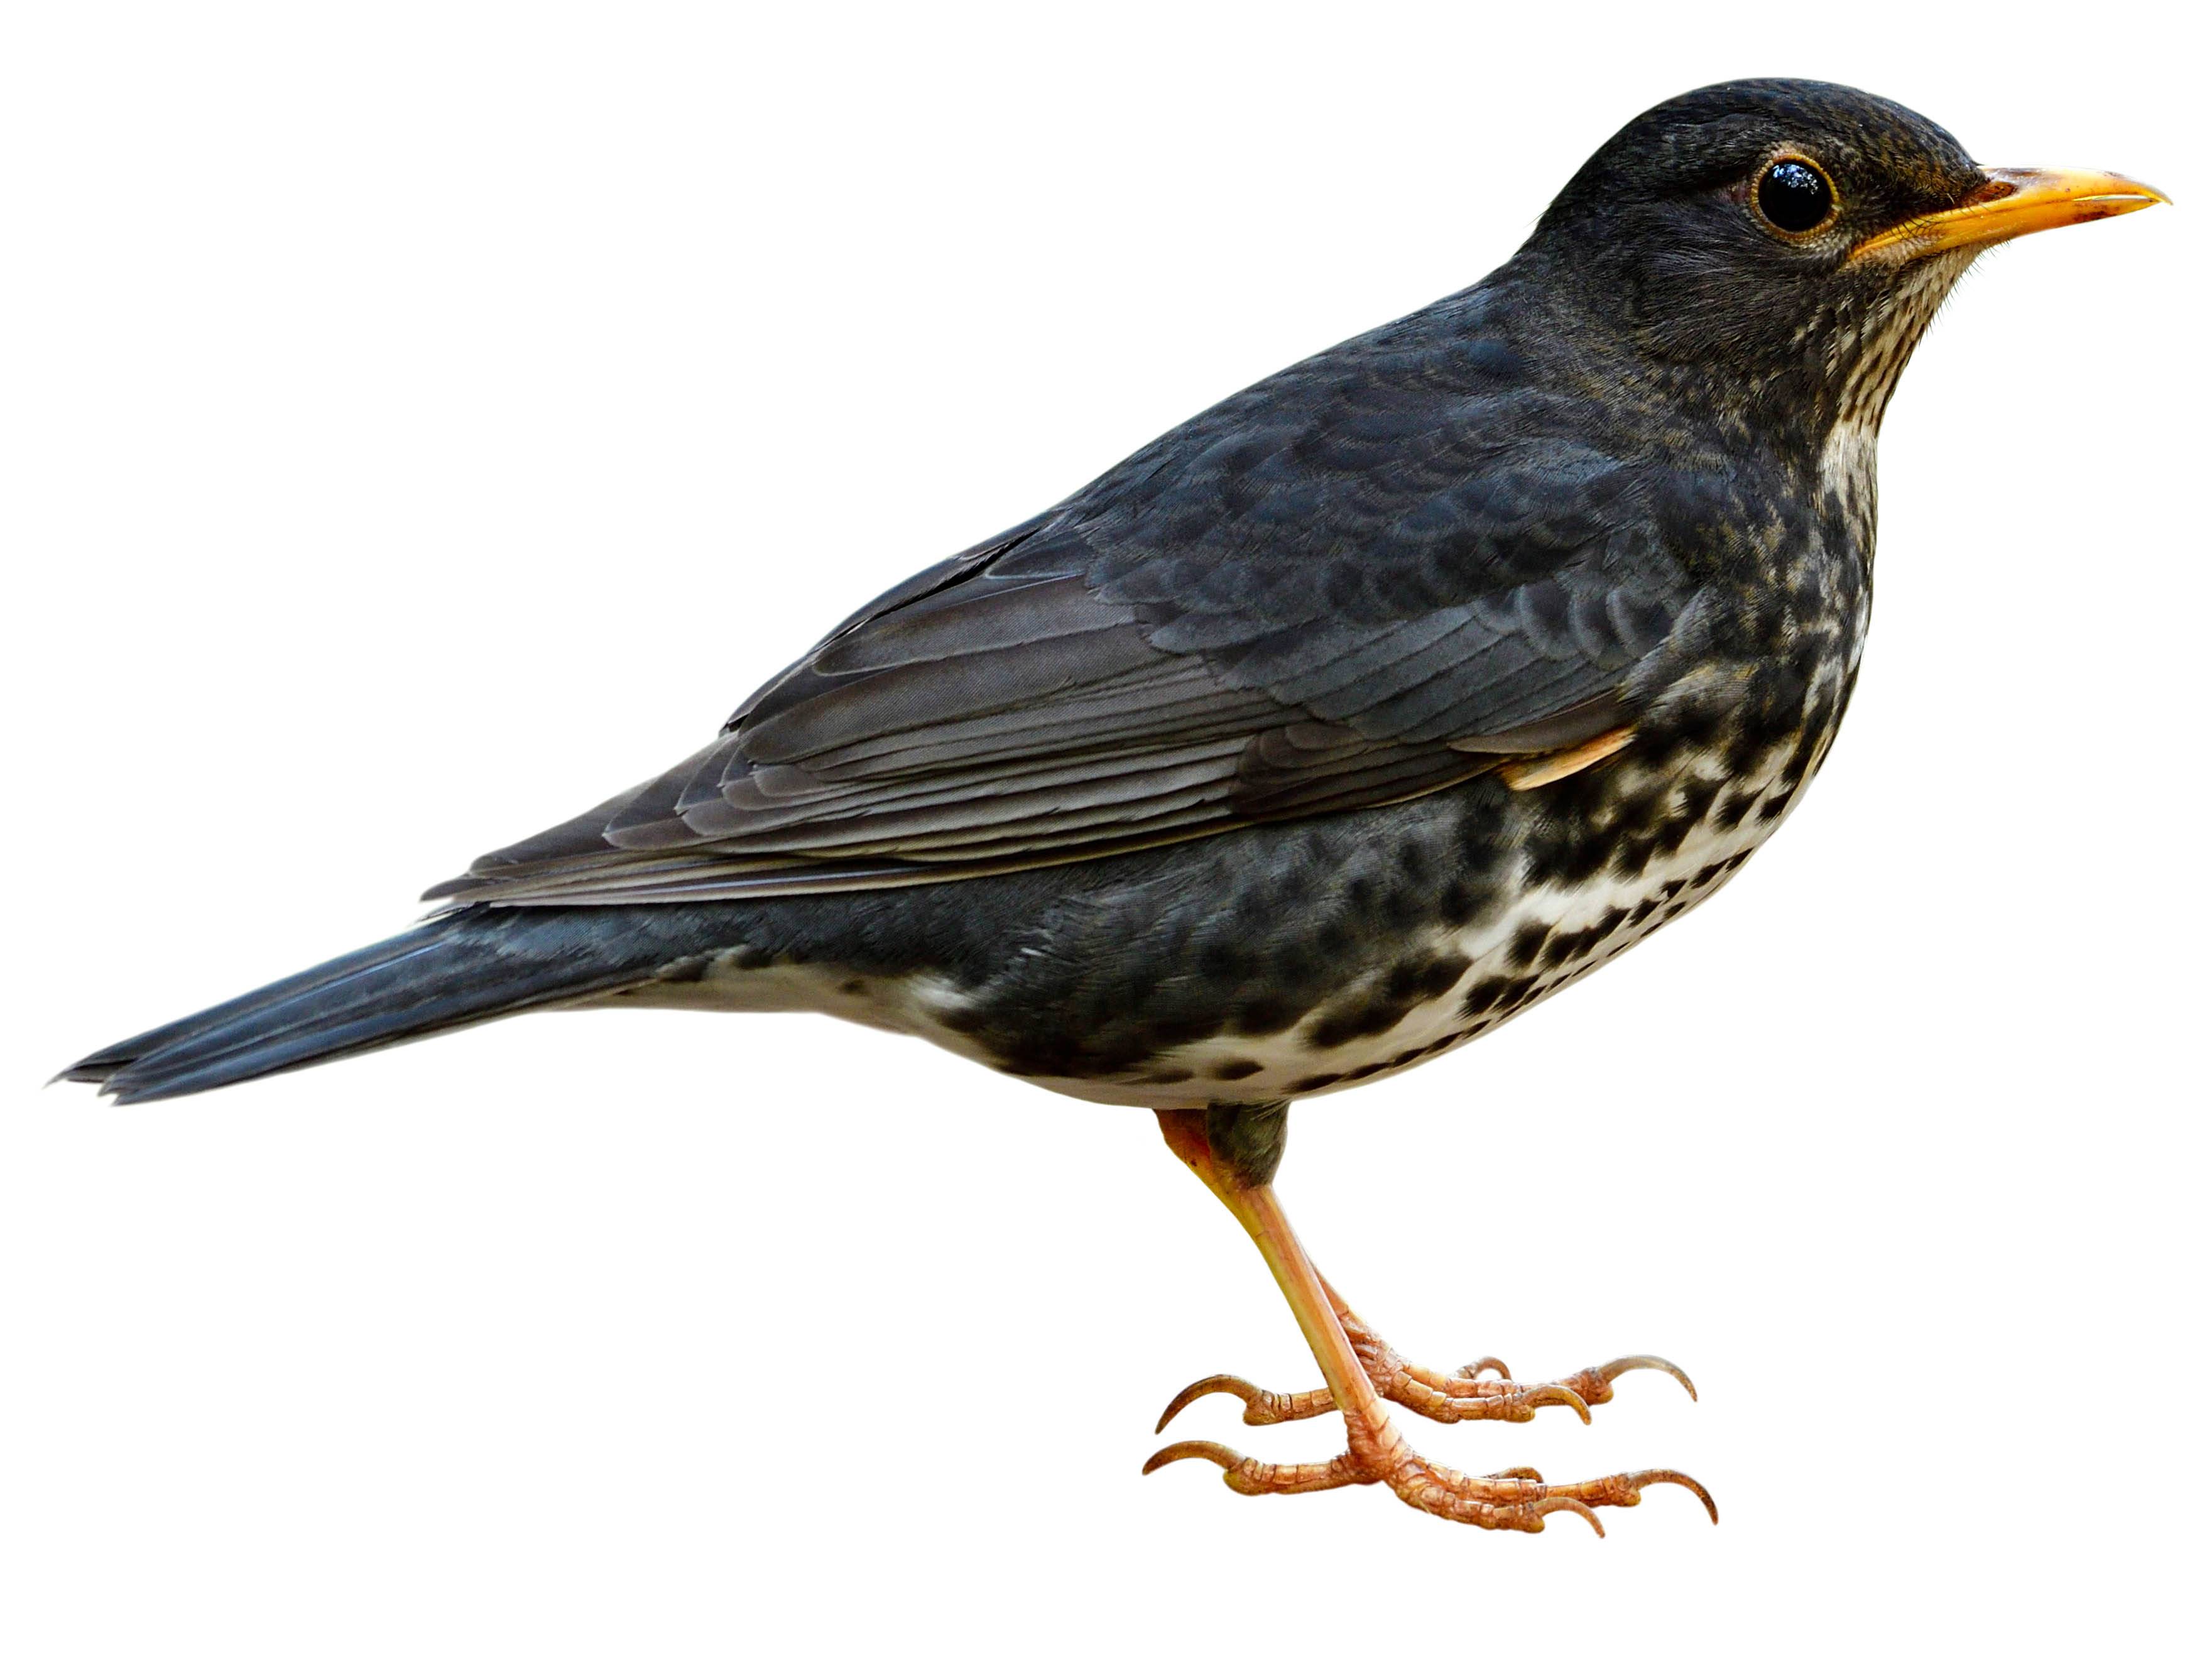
(423, 420)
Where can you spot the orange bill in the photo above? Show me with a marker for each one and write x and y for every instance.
(2015, 201)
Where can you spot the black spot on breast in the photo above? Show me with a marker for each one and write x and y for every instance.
(1574, 943)
(1527, 940)
(1175, 1027)
(1170, 1074)
(1752, 743)
(1733, 811)
(1560, 852)
(1808, 742)
(1483, 995)
(1363, 1019)
(1697, 797)
(854, 987)
(1522, 992)
(1375, 1009)
(1229, 1070)
(1265, 1016)
(1631, 854)
(1424, 978)
(1456, 905)
(1670, 836)
(1714, 873)
(1306, 1085)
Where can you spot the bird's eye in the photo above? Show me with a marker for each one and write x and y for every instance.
(1795, 197)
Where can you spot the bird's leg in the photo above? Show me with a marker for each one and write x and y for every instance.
(1234, 1154)
(1462, 1397)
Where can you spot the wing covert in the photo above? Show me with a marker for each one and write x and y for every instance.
(1349, 585)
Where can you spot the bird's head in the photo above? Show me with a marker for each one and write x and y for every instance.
(1787, 242)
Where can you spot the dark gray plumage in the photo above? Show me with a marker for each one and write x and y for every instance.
(1197, 787)
(1344, 722)
(1357, 581)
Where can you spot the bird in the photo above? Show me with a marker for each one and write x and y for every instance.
(1327, 732)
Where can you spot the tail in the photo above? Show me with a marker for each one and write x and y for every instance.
(455, 970)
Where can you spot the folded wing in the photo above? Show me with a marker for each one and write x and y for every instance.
(1345, 591)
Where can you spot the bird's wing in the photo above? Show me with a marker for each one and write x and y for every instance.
(1259, 621)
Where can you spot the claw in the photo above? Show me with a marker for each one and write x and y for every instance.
(1555, 1504)
(1553, 1394)
(1222, 1383)
(1252, 1478)
(1485, 1364)
(1627, 1491)
(1676, 1478)
(1647, 1363)
(1515, 1498)
(1594, 1385)
(1211, 1451)
(1261, 1406)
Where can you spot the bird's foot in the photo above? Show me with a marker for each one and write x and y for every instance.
(1514, 1500)
(1462, 1397)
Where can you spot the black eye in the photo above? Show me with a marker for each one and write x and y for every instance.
(1794, 196)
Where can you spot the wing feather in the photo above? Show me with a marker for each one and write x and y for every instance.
(1380, 573)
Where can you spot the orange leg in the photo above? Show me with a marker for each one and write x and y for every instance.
(1374, 1452)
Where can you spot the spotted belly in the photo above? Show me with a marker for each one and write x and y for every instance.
(1408, 995)
(1450, 988)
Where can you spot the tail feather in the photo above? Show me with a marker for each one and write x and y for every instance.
(453, 970)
